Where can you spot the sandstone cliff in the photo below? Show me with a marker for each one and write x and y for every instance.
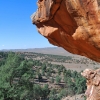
(71, 24)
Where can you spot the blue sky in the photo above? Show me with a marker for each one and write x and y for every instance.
(16, 28)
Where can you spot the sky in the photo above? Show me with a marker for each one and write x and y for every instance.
(16, 28)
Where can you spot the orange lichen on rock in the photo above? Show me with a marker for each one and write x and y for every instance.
(71, 24)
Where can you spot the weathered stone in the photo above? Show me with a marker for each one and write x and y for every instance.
(93, 84)
(71, 24)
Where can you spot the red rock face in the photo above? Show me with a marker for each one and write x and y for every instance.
(71, 24)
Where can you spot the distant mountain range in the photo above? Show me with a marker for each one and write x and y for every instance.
(48, 50)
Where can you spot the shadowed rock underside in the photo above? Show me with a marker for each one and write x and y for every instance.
(71, 24)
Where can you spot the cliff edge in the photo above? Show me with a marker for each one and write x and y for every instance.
(71, 24)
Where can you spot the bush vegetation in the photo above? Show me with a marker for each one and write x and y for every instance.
(28, 79)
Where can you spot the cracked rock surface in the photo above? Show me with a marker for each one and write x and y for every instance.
(71, 24)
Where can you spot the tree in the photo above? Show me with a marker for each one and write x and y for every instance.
(43, 72)
(63, 93)
(80, 84)
(37, 92)
(44, 67)
(39, 77)
(52, 80)
(53, 95)
(70, 86)
(45, 91)
(58, 79)
(16, 79)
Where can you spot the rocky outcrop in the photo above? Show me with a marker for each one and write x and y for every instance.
(93, 84)
(75, 26)
(71, 24)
